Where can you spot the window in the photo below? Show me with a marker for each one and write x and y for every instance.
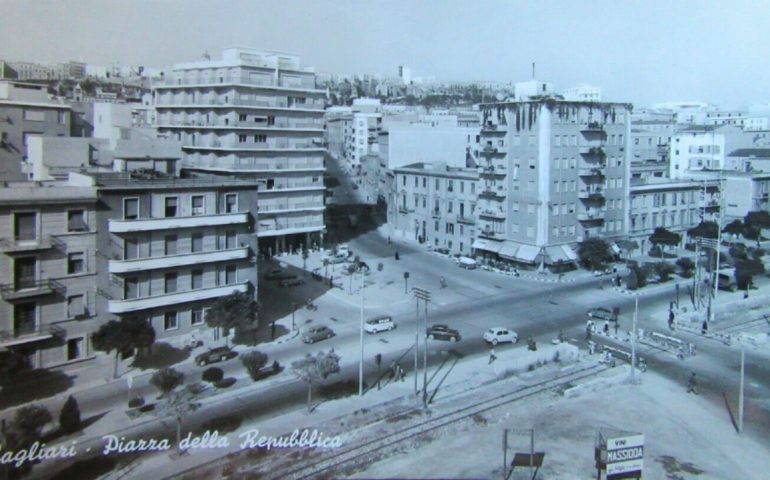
(76, 263)
(171, 207)
(74, 348)
(242, 138)
(196, 279)
(130, 288)
(231, 202)
(76, 221)
(169, 283)
(450, 186)
(230, 239)
(437, 184)
(130, 208)
(242, 117)
(415, 181)
(197, 242)
(130, 249)
(530, 232)
(424, 182)
(231, 274)
(449, 207)
(260, 138)
(403, 180)
(75, 306)
(170, 321)
(34, 115)
(435, 226)
(25, 226)
(196, 316)
(169, 245)
(473, 188)
(450, 228)
(197, 205)
(62, 117)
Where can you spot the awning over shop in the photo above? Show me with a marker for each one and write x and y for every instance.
(527, 253)
(486, 245)
(571, 255)
(509, 250)
(555, 255)
(615, 249)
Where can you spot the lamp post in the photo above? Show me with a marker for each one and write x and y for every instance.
(293, 310)
(424, 295)
(633, 340)
(361, 358)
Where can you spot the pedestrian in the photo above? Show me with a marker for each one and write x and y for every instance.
(671, 319)
(692, 384)
(397, 255)
(492, 356)
(704, 328)
(388, 240)
(401, 373)
(616, 327)
(606, 327)
(588, 330)
(393, 368)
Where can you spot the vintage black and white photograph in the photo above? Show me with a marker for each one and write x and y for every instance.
(384, 239)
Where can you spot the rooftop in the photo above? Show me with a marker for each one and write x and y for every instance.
(751, 152)
(145, 179)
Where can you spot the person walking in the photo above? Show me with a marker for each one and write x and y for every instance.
(606, 327)
(401, 373)
(492, 356)
(692, 384)
(617, 326)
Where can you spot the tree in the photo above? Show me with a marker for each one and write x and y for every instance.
(664, 237)
(757, 221)
(69, 416)
(745, 270)
(10, 363)
(121, 336)
(28, 423)
(351, 268)
(166, 380)
(254, 361)
(232, 311)
(735, 228)
(637, 277)
(179, 404)
(686, 266)
(315, 368)
(594, 253)
(664, 270)
(704, 230)
(212, 375)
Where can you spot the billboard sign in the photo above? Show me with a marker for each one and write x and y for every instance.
(625, 456)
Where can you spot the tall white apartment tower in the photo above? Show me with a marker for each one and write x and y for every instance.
(255, 115)
(553, 173)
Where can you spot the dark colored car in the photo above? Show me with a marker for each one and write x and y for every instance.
(291, 282)
(314, 334)
(218, 354)
(442, 332)
(274, 274)
(602, 314)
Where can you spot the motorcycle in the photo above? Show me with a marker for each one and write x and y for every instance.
(641, 364)
(311, 306)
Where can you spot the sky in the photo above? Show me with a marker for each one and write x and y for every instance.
(641, 52)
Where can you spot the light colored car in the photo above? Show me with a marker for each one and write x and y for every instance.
(314, 334)
(601, 313)
(379, 324)
(497, 335)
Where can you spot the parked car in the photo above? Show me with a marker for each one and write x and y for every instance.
(291, 282)
(467, 263)
(379, 324)
(314, 334)
(497, 335)
(443, 332)
(274, 274)
(218, 354)
(444, 252)
(602, 314)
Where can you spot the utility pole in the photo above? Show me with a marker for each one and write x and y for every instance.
(416, 340)
(633, 340)
(424, 295)
(719, 242)
(361, 358)
(740, 394)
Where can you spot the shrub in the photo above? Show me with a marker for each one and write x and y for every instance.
(136, 402)
(225, 382)
(686, 266)
(254, 361)
(664, 270)
(69, 417)
(212, 375)
(166, 379)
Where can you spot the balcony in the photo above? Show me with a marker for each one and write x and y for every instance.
(492, 194)
(176, 103)
(490, 150)
(497, 214)
(239, 146)
(435, 213)
(24, 335)
(591, 216)
(16, 245)
(492, 129)
(491, 235)
(492, 172)
(287, 229)
(149, 224)
(711, 205)
(590, 172)
(592, 151)
(172, 261)
(592, 127)
(163, 301)
(30, 288)
(403, 210)
(593, 194)
(466, 220)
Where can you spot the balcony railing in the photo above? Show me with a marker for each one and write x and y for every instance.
(492, 128)
(26, 245)
(30, 288)
(590, 172)
(492, 171)
(172, 261)
(491, 234)
(592, 151)
(466, 219)
(148, 224)
(435, 213)
(33, 333)
(491, 194)
(595, 194)
(159, 301)
(591, 216)
(490, 150)
(592, 127)
(492, 214)
(287, 229)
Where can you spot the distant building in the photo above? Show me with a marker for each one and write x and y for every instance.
(531, 88)
(255, 115)
(428, 142)
(582, 93)
(405, 74)
(675, 206)
(27, 110)
(756, 160)
(435, 204)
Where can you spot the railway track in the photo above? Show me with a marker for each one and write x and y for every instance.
(365, 452)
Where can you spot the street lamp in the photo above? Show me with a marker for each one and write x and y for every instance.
(424, 295)
(293, 310)
(361, 269)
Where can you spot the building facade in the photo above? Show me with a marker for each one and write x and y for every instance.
(435, 204)
(254, 115)
(553, 173)
(49, 269)
(675, 206)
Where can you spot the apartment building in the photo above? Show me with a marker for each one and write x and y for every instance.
(435, 204)
(49, 269)
(554, 173)
(254, 115)
(674, 205)
(27, 110)
(169, 247)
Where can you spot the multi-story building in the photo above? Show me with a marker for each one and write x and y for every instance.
(674, 205)
(169, 247)
(650, 140)
(25, 110)
(254, 115)
(582, 93)
(435, 204)
(554, 173)
(746, 192)
(48, 265)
